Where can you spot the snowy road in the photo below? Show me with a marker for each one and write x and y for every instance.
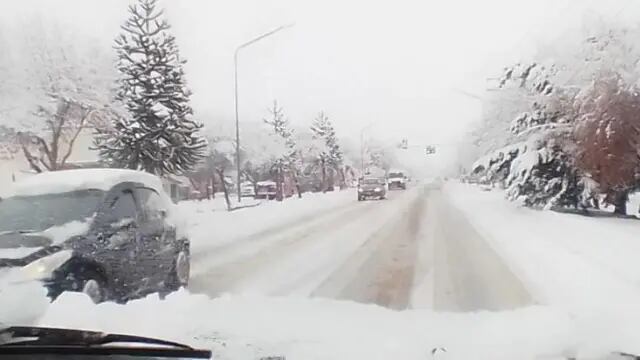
(413, 250)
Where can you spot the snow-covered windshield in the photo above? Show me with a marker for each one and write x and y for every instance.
(40, 212)
(396, 175)
(372, 181)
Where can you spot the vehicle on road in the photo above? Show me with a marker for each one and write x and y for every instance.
(27, 342)
(247, 189)
(266, 190)
(397, 180)
(371, 187)
(108, 233)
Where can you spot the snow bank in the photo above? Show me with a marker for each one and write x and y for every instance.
(208, 226)
(250, 327)
(585, 265)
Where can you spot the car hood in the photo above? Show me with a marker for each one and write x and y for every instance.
(18, 248)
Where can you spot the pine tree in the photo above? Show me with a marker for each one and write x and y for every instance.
(156, 133)
(287, 158)
(331, 159)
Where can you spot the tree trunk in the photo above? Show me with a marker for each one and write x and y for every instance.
(331, 179)
(324, 175)
(343, 179)
(279, 181)
(224, 188)
(213, 186)
(620, 199)
(295, 178)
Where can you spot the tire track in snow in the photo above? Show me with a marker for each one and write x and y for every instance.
(382, 270)
(257, 239)
(226, 270)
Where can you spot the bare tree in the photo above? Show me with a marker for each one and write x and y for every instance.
(50, 149)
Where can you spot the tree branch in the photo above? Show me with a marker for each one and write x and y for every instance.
(75, 135)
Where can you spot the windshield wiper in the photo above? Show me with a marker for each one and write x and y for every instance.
(27, 339)
(13, 232)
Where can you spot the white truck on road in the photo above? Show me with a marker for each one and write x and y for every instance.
(397, 179)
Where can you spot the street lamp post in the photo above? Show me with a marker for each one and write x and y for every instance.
(235, 66)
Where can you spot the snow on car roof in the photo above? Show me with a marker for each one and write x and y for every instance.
(80, 179)
(268, 182)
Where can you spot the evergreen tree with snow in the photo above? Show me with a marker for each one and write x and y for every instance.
(287, 158)
(156, 132)
(332, 158)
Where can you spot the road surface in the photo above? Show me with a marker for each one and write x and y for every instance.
(412, 250)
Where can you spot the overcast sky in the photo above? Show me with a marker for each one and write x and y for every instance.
(401, 65)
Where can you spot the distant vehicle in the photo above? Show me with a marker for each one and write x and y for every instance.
(247, 189)
(397, 180)
(310, 184)
(105, 232)
(371, 187)
(266, 190)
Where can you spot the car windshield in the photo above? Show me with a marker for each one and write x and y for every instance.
(371, 182)
(325, 179)
(40, 212)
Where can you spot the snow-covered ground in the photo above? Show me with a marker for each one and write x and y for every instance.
(210, 226)
(250, 327)
(565, 259)
(579, 272)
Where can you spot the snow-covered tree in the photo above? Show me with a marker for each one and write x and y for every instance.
(608, 137)
(284, 141)
(157, 133)
(330, 158)
(220, 160)
(570, 137)
(56, 85)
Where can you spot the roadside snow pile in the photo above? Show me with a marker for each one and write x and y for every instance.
(208, 227)
(250, 327)
(216, 204)
(586, 264)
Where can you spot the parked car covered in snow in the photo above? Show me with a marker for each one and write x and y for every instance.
(109, 233)
(247, 189)
(266, 190)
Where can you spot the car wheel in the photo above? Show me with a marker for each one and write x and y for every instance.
(78, 276)
(179, 276)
